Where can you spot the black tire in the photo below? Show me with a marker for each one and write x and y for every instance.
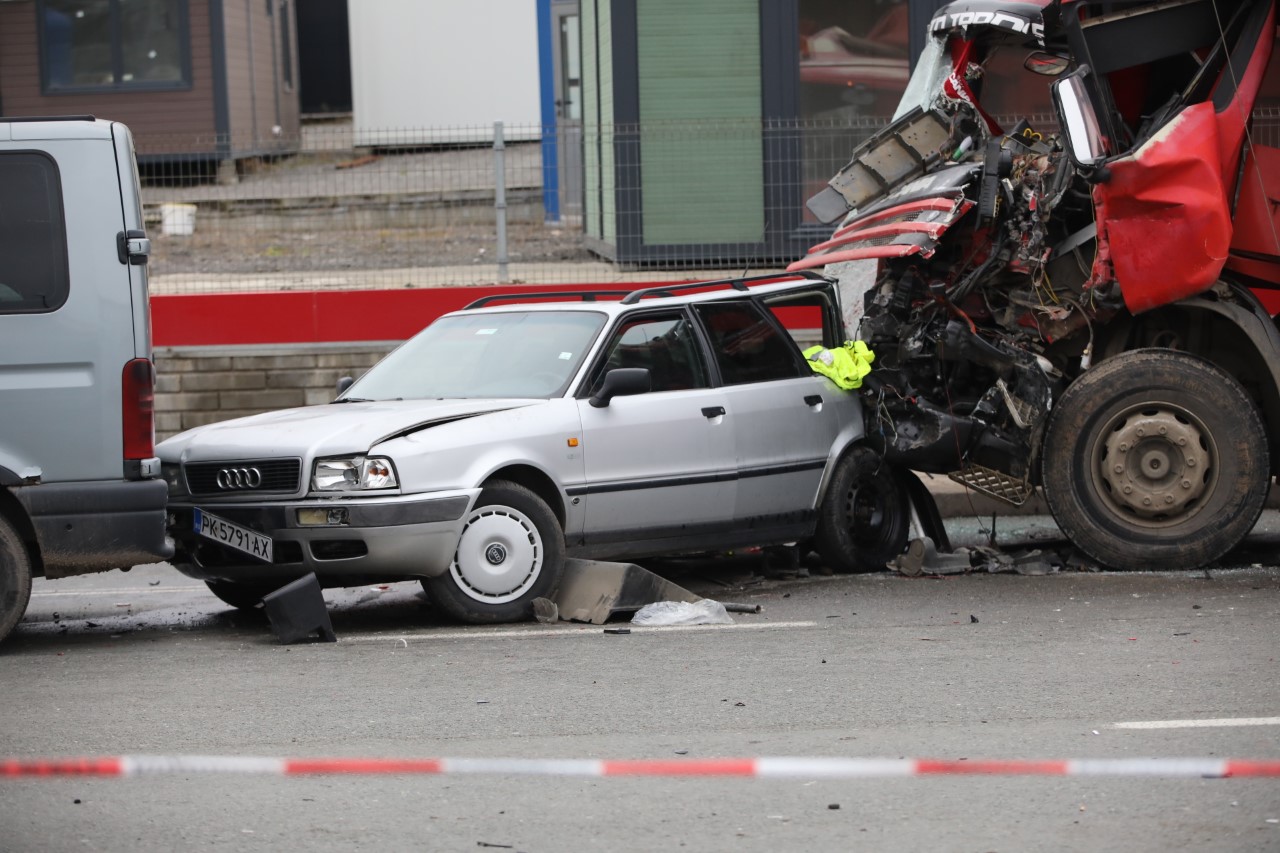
(511, 551)
(15, 577)
(1155, 459)
(245, 596)
(865, 516)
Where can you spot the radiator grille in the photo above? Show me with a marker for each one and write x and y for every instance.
(277, 476)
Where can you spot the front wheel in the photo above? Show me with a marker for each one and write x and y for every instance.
(511, 551)
(15, 577)
(865, 516)
(1155, 459)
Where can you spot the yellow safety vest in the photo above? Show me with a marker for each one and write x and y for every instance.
(845, 365)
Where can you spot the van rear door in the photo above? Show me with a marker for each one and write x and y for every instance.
(69, 308)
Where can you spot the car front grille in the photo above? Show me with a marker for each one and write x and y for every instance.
(244, 477)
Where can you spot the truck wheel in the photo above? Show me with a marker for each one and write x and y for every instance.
(865, 517)
(511, 551)
(245, 596)
(1155, 459)
(15, 577)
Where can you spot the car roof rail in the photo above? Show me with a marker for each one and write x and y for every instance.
(583, 295)
(742, 283)
(48, 118)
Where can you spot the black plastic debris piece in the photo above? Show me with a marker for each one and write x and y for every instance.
(297, 611)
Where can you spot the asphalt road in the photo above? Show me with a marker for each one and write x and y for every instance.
(961, 667)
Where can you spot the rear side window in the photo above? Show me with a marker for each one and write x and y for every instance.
(33, 237)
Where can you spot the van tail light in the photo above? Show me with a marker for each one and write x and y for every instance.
(138, 387)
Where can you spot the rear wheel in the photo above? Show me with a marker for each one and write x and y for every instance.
(15, 577)
(1155, 459)
(866, 515)
(511, 551)
(245, 596)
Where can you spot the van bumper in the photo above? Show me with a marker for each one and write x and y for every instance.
(95, 526)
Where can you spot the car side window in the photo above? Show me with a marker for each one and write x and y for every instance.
(664, 344)
(747, 347)
(34, 276)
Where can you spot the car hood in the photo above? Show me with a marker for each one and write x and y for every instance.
(322, 430)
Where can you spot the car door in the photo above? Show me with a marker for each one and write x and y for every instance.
(785, 417)
(659, 465)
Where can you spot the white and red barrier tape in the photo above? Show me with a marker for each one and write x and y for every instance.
(760, 768)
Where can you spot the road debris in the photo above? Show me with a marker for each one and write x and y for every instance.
(664, 613)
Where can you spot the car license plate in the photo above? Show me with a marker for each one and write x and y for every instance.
(233, 535)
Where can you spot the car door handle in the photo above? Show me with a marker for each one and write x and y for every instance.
(813, 400)
(712, 411)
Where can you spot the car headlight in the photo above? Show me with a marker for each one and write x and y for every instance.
(353, 473)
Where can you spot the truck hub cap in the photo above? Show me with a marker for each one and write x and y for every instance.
(1158, 462)
(499, 555)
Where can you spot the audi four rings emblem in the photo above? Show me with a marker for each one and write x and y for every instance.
(239, 478)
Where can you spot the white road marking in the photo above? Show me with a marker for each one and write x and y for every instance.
(1200, 724)
(121, 593)
(501, 634)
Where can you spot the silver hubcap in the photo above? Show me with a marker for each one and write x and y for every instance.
(1158, 463)
(499, 555)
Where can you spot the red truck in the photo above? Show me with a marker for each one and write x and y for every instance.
(1075, 215)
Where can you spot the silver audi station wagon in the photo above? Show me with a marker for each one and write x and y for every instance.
(505, 437)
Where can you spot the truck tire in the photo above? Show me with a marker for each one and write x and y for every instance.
(15, 577)
(511, 551)
(1155, 459)
(865, 515)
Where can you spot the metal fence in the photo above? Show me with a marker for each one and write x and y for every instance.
(351, 208)
(354, 209)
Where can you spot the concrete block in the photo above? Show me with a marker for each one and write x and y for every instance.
(351, 361)
(186, 402)
(246, 380)
(168, 423)
(301, 361)
(304, 379)
(187, 365)
(168, 383)
(319, 396)
(271, 398)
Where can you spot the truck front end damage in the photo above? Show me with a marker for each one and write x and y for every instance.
(1055, 174)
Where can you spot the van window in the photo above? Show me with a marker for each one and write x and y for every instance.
(33, 237)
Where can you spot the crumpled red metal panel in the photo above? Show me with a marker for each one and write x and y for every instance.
(1168, 220)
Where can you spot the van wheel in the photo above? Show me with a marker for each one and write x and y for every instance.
(245, 596)
(15, 577)
(866, 515)
(511, 551)
(1155, 459)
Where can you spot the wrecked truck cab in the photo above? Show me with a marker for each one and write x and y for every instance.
(1063, 300)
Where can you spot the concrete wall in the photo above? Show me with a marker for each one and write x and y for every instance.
(201, 385)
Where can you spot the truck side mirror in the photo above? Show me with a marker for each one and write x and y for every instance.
(344, 383)
(1078, 119)
(622, 381)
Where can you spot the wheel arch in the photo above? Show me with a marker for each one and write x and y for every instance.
(537, 481)
(1227, 327)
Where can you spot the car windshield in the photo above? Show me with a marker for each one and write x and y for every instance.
(494, 354)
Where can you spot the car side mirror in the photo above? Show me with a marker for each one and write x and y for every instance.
(1079, 121)
(621, 382)
(344, 383)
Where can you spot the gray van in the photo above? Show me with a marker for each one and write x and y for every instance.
(78, 474)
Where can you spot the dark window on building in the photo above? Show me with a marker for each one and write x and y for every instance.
(114, 44)
(286, 45)
(33, 238)
(748, 347)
